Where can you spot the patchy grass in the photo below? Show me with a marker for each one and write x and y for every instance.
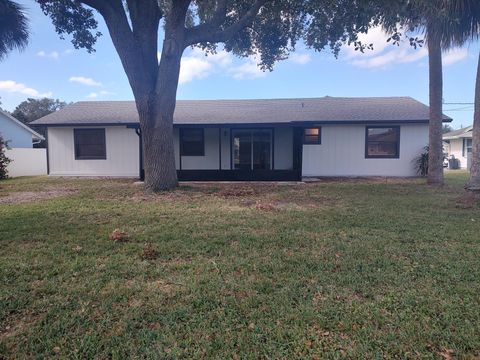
(364, 269)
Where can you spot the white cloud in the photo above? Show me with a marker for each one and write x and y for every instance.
(14, 87)
(385, 54)
(300, 59)
(396, 56)
(84, 80)
(52, 55)
(193, 68)
(247, 70)
(455, 55)
(94, 95)
(196, 66)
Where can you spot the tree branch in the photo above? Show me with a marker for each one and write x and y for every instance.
(211, 32)
(127, 46)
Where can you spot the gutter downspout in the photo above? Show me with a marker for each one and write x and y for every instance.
(140, 152)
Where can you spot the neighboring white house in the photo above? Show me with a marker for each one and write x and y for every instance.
(276, 139)
(460, 145)
(20, 139)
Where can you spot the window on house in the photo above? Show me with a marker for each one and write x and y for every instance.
(467, 147)
(90, 144)
(382, 142)
(192, 142)
(312, 136)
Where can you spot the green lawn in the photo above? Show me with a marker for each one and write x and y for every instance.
(350, 269)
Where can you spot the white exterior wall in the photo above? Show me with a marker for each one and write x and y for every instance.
(456, 149)
(26, 162)
(342, 153)
(122, 154)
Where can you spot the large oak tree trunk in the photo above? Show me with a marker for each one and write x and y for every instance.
(474, 183)
(435, 153)
(156, 121)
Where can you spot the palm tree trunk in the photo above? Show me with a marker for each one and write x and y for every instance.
(474, 183)
(435, 153)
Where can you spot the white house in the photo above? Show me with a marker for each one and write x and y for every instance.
(460, 145)
(275, 139)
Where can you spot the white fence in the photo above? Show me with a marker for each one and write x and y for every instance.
(27, 162)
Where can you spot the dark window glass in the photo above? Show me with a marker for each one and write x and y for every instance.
(192, 142)
(312, 136)
(90, 144)
(467, 146)
(382, 142)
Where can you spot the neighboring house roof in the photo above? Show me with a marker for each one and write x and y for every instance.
(35, 135)
(272, 111)
(459, 134)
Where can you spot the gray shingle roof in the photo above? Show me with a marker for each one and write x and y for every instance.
(212, 112)
(458, 134)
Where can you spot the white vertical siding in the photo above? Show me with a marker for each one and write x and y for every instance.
(122, 154)
(26, 162)
(342, 153)
(456, 149)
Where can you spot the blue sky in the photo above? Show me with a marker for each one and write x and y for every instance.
(52, 67)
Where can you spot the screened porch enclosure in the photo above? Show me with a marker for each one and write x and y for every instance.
(238, 153)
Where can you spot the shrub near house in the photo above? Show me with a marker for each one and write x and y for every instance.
(4, 160)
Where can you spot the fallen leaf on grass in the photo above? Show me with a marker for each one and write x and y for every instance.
(149, 252)
(446, 354)
(118, 235)
(265, 206)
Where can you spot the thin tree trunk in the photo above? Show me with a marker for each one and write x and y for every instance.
(435, 153)
(156, 121)
(474, 183)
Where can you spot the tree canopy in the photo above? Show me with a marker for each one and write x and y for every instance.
(33, 109)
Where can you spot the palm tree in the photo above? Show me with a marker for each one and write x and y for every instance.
(450, 23)
(425, 16)
(474, 183)
(464, 26)
(13, 27)
(446, 24)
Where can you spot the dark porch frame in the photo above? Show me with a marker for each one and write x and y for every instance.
(239, 175)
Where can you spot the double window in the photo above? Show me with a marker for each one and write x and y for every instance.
(382, 142)
(90, 144)
(312, 136)
(467, 147)
(192, 142)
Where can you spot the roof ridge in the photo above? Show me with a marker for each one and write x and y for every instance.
(327, 97)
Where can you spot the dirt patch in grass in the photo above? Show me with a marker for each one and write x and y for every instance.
(364, 180)
(14, 325)
(468, 200)
(20, 197)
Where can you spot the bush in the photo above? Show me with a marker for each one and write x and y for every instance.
(4, 161)
(421, 162)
